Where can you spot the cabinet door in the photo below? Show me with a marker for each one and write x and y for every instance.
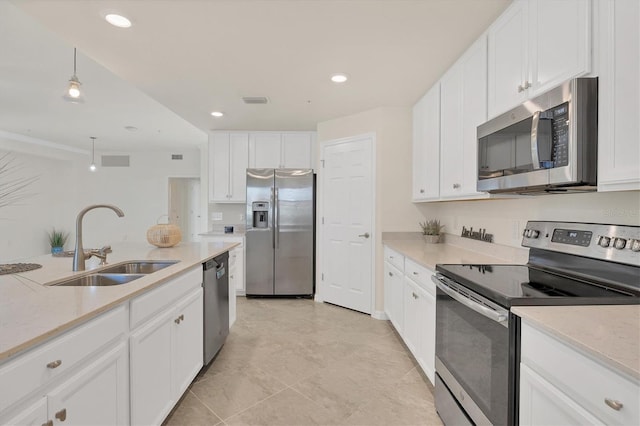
(559, 42)
(474, 112)
(238, 163)
(188, 341)
(426, 344)
(541, 403)
(34, 415)
(393, 296)
(426, 146)
(98, 395)
(507, 59)
(297, 150)
(451, 152)
(619, 96)
(219, 167)
(237, 255)
(152, 395)
(264, 150)
(411, 316)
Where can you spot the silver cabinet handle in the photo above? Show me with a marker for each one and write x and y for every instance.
(62, 415)
(415, 273)
(616, 405)
(422, 191)
(54, 364)
(390, 274)
(526, 85)
(456, 185)
(520, 88)
(179, 319)
(415, 296)
(366, 235)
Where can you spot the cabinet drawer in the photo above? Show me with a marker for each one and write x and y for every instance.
(41, 365)
(394, 258)
(420, 275)
(149, 304)
(581, 378)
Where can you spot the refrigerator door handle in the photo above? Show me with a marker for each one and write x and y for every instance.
(276, 220)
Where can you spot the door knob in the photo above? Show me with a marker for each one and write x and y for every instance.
(366, 235)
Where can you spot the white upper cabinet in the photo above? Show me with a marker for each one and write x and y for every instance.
(265, 150)
(619, 88)
(534, 46)
(228, 161)
(463, 107)
(507, 62)
(281, 150)
(426, 146)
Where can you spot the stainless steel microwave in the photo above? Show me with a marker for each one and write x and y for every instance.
(547, 144)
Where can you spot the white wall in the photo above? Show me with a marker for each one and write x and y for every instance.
(66, 186)
(506, 218)
(394, 211)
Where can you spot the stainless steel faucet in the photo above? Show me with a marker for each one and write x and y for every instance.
(79, 256)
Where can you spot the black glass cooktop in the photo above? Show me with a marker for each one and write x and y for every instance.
(511, 285)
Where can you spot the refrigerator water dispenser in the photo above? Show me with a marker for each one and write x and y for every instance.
(260, 214)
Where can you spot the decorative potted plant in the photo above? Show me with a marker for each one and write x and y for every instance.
(431, 231)
(57, 240)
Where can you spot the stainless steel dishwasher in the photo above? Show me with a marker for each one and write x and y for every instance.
(216, 305)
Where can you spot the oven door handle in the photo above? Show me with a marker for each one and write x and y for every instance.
(482, 310)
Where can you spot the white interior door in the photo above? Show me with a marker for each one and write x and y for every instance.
(347, 220)
(184, 206)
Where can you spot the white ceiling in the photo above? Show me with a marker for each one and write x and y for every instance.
(196, 56)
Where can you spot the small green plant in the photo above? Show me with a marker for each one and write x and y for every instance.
(431, 227)
(57, 238)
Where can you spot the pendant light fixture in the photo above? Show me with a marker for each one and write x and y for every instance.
(92, 167)
(73, 93)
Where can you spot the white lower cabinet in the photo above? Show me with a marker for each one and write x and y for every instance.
(410, 304)
(560, 384)
(98, 395)
(166, 355)
(78, 378)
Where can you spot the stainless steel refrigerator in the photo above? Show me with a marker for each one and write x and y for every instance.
(280, 232)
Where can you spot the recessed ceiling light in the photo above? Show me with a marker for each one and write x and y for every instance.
(339, 78)
(217, 114)
(118, 20)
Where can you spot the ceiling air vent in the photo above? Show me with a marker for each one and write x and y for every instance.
(176, 156)
(115, 161)
(255, 100)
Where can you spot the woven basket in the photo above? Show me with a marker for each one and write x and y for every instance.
(164, 234)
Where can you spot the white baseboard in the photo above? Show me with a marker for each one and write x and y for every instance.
(379, 315)
(318, 298)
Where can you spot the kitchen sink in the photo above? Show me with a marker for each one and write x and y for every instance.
(141, 267)
(100, 280)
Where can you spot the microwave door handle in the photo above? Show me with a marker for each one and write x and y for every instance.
(482, 310)
(535, 158)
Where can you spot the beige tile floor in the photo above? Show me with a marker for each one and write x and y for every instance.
(298, 362)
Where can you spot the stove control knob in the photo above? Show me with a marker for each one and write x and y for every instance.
(604, 241)
(527, 233)
(620, 243)
(535, 234)
(635, 245)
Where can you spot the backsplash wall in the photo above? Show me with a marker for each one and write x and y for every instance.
(506, 218)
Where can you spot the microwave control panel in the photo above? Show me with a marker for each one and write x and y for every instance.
(559, 134)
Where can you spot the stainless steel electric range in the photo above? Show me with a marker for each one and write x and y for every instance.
(478, 338)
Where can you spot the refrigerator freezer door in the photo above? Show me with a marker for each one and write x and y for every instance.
(293, 227)
(259, 241)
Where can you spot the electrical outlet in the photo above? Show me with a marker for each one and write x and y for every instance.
(241, 217)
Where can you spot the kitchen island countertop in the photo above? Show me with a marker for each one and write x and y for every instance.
(32, 312)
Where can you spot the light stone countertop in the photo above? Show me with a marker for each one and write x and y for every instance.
(610, 333)
(429, 255)
(215, 234)
(32, 312)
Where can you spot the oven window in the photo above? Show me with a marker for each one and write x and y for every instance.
(475, 350)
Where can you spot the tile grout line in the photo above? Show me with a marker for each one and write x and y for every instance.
(254, 404)
(206, 406)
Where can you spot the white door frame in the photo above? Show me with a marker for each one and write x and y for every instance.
(320, 213)
(167, 191)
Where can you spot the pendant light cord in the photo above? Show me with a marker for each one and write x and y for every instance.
(74, 61)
